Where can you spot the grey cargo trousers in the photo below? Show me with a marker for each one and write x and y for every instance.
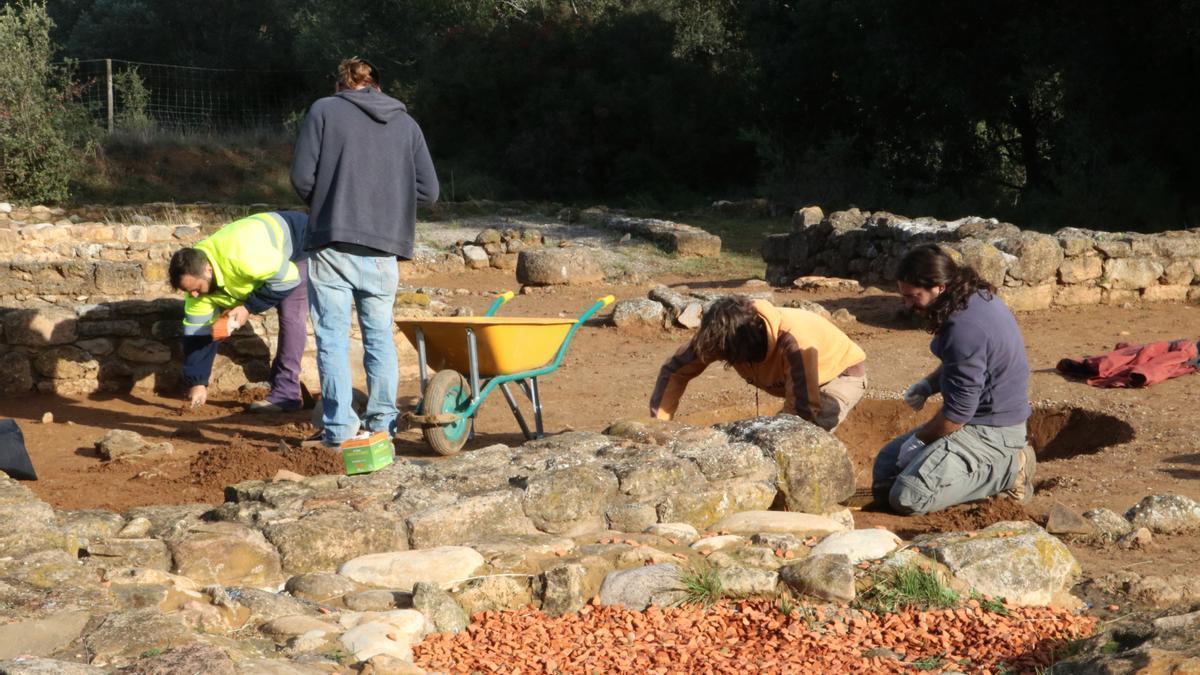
(972, 463)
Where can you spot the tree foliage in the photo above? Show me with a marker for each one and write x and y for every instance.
(1045, 113)
(43, 134)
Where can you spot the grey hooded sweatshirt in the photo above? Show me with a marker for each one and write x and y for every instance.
(361, 164)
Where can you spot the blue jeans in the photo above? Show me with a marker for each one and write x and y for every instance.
(335, 280)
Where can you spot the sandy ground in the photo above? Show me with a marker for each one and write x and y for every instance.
(1106, 447)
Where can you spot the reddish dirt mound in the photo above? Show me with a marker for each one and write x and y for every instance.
(959, 518)
(225, 465)
(752, 636)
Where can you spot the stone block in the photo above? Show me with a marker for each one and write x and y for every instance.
(1114, 248)
(1178, 273)
(16, 374)
(1117, 296)
(144, 351)
(40, 327)
(1038, 256)
(1166, 294)
(1028, 298)
(555, 266)
(118, 279)
(1081, 268)
(1131, 273)
(1070, 296)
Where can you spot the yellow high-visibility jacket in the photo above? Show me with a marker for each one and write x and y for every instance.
(252, 265)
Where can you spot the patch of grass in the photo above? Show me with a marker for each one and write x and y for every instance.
(701, 585)
(906, 587)
(336, 655)
(1111, 647)
(990, 604)
(152, 652)
(929, 662)
(786, 606)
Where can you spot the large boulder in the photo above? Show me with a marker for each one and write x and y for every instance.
(140, 552)
(494, 593)
(1015, 560)
(1131, 273)
(1165, 514)
(1161, 642)
(122, 444)
(640, 587)
(389, 633)
(556, 266)
(123, 636)
(778, 522)
(66, 362)
(858, 545)
(828, 577)
(638, 313)
(469, 519)
(566, 588)
(323, 539)
(1038, 256)
(402, 569)
(41, 637)
(987, 260)
(29, 523)
(814, 470)
(227, 554)
(569, 501)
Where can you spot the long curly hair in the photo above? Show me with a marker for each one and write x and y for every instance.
(928, 266)
(731, 331)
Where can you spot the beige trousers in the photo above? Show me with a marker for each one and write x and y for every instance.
(838, 397)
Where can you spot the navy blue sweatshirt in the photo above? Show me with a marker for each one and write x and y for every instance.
(985, 374)
(361, 164)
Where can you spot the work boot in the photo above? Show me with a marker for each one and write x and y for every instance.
(1022, 489)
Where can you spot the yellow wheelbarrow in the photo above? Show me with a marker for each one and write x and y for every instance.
(492, 352)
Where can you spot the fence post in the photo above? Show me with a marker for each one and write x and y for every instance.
(108, 79)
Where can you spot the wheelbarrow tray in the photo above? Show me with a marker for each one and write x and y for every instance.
(506, 345)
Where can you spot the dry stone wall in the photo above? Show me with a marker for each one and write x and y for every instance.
(1033, 270)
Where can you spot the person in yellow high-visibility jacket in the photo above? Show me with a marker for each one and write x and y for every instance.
(246, 267)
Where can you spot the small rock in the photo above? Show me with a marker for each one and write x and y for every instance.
(1138, 539)
(442, 610)
(681, 531)
(1062, 520)
(710, 544)
(858, 545)
(136, 528)
(284, 474)
(691, 315)
(1107, 524)
(48, 418)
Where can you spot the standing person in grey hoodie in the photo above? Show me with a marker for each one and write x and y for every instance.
(361, 164)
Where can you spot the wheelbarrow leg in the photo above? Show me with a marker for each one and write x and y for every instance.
(473, 353)
(422, 367)
(537, 406)
(512, 403)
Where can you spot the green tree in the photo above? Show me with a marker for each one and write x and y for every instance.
(44, 135)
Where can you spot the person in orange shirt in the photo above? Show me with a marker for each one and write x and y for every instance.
(797, 355)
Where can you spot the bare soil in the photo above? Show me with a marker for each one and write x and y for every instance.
(1096, 447)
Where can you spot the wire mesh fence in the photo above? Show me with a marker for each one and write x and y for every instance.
(135, 95)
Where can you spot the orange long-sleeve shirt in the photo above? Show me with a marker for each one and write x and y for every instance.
(804, 351)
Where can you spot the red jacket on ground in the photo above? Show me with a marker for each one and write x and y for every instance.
(1136, 365)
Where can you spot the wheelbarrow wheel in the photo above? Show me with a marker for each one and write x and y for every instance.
(447, 392)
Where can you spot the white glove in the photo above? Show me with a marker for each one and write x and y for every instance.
(915, 395)
(909, 450)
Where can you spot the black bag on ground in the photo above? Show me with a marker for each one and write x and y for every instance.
(14, 458)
